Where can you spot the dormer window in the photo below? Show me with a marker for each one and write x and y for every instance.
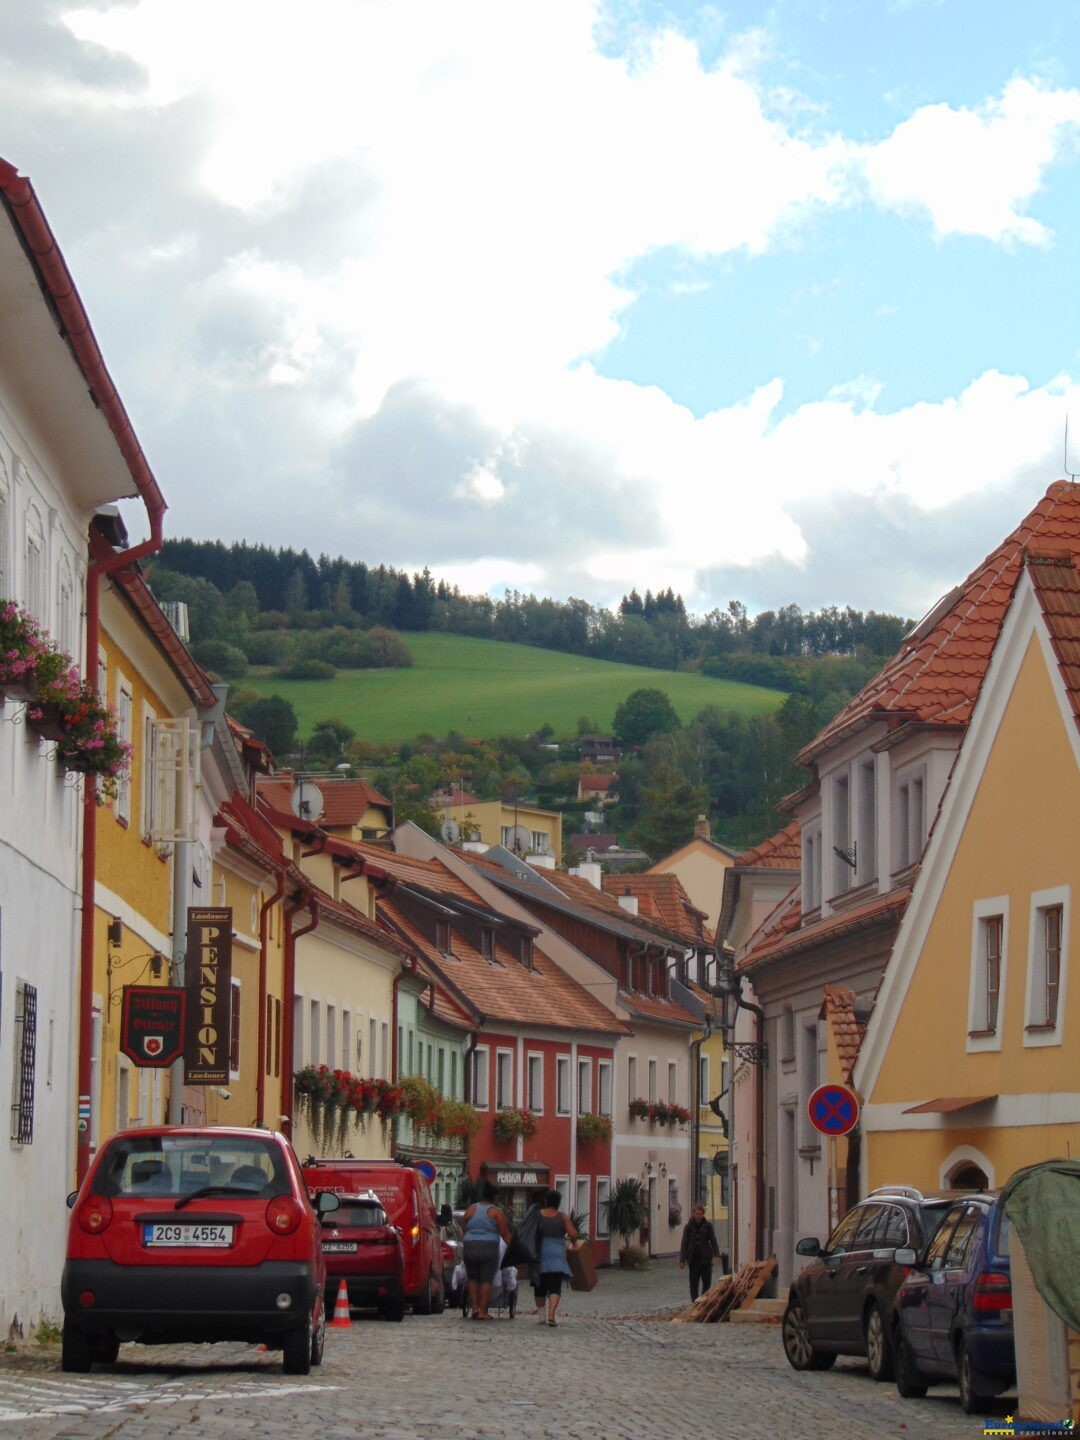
(811, 868)
(487, 945)
(843, 856)
(910, 821)
(442, 936)
(526, 952)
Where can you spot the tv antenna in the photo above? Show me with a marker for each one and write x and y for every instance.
(306, 801)
(1070, 473)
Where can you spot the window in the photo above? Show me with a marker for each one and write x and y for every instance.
(384, 1042)
(504, 1079)
(842, 869)
(535, 1097)
(960, 1239)
(442, 936)
(839, 1242)
(527, 951)
(440, 1070)
(6, 588)
(35, 566)
(631, 1078)
(124, 708)
(989, 974)
(911, 822)
(487, 945)
(652, 1080)
(331, 1034)
(315, 1031)
(300, 1057)
(866, 836)
(811, 868)
(672, 1082)
(171, 756)
(871, 1227)
(584, 1087)
(604, 1073)
(541, 843)
(346, 1040)
(234, 1031)
(1048, 942)
(372, 1053)
(581, 1198)
(896, 1228)
(562, 1185)
(603, 1194)
(562, 1085)
(22, 1100)
(787, 1037)
(453, 1075)
(703, 1080)
(480, 1078)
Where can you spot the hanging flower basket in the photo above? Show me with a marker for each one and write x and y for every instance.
(46, 720)
(659, 1112)
(511, 1123)
(332, 1100)
(22, 642)
(593, 1129)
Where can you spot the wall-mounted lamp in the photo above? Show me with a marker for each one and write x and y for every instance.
(157, 961)
(116, 932)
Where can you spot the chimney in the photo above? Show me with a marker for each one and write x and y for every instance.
(628, 903)
(589, 870)
(702, 828)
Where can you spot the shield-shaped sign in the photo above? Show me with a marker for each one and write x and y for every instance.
(152, 1024)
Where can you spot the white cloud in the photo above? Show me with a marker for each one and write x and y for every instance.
(974, 171)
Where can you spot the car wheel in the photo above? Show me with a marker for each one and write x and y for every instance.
(973, 1401)
(76, 1351)
(318, 1339)
(106, 1349)
(296, 1349)
(438, 1300)
(909, 1383)
(879, 1355)
(394, 1309)
(800, 1352)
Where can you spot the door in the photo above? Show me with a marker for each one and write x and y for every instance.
(857, 1270)
(824, 1306)
(915, 1293)
(945, 1298)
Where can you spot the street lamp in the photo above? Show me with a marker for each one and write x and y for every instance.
(729, 985)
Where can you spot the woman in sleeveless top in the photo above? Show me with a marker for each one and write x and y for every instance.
(554, 1231)
(485, 1226)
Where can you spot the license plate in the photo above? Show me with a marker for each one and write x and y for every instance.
(197, 1237)
(339, 1247)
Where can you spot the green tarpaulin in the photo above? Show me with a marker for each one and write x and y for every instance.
(1043, 1203)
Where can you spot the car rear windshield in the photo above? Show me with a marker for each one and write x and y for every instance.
(359, 1215)
(178, 1165)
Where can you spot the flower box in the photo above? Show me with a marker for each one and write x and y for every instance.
(46, 720)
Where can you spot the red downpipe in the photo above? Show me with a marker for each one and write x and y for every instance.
(305, 901)
(103, 566)
(264, 959)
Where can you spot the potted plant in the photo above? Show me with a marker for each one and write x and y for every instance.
(626, 1213)
(21, 646)
(593, 1129)
(510, 1123)
(639, 1109)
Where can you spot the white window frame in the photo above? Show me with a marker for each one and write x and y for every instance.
(583, 1184)
(654, 1081)
(584, 1085)
(603, 1193)
(605, 1087)
(703, 1080)
(301, 1055)
(315, 1031)
(1036, 1033)
(236, 1007)
(673, 1082)
(866, 868)
(979, 1035)
(347, 1057)
(504, 1079)
(843, 876)
(909, 822)
(811, 867)
(534, 1081)
(562, 1185)
(631, 1078)
(481, 1067)
(7, 586)
(563, 1093)
(125, 714)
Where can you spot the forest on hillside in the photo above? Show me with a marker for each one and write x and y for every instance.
(252, 605)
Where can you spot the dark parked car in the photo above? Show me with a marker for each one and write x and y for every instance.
(184, 1233)
(453, 1241)
(952, 1318)
(841, 1304)
(363, 1249)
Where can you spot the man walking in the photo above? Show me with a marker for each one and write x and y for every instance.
(698, 1250)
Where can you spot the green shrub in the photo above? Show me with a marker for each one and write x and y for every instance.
(269, 647)
(306, 670)
(222, 658)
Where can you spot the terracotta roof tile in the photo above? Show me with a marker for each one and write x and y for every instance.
(346, 801)
(788, 936)
(1057, 588)
(838, 1011)
(936, 675)
(661, 896)
(782, 851)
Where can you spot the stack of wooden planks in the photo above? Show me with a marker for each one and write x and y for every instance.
(728, 1294)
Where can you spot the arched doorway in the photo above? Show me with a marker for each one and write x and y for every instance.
(968, 1176)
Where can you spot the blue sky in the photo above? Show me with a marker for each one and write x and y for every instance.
(769, 302)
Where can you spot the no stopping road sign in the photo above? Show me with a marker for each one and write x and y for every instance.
(833, 1109)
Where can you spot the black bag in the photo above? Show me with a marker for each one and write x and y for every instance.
(524, 1248)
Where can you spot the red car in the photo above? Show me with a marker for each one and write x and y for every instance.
(363, 1249)
(182, 1234)
(404, 1195)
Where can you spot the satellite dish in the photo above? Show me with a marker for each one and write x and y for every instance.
(306, 801)
(450, 830)
(521, 838)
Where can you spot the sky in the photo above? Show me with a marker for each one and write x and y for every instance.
(769, 302)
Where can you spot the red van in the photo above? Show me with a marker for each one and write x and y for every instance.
(404, 1194)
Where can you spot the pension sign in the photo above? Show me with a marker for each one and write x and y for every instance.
(208, 982)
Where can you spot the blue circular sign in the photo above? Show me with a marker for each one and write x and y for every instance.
(426, 1169)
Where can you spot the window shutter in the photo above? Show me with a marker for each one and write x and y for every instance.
(174, 759)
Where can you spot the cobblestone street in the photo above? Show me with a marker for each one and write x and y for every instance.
(613, 1369)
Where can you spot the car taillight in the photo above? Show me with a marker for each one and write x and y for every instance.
(95, 1214)
(415, 1232)
(283, 1214)
(993, 1291)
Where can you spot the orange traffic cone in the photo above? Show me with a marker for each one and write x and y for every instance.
(341, 1320)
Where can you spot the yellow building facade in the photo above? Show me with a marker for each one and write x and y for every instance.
(966, 1070)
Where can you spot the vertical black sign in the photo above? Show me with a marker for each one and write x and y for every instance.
(208, 982)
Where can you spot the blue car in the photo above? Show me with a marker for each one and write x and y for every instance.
(953, 1315)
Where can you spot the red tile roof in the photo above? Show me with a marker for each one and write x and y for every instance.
(838, 1012)
(346, 801)
(788, 937)
(1057, 588)
(662, 897)
(596, 782)
(782, 851)
(936, 675)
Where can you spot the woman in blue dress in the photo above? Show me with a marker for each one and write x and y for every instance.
(554, 1230)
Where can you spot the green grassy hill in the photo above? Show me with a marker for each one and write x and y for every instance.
(485, 688)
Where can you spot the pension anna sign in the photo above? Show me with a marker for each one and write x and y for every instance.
(208, 981)
(833, 1109)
